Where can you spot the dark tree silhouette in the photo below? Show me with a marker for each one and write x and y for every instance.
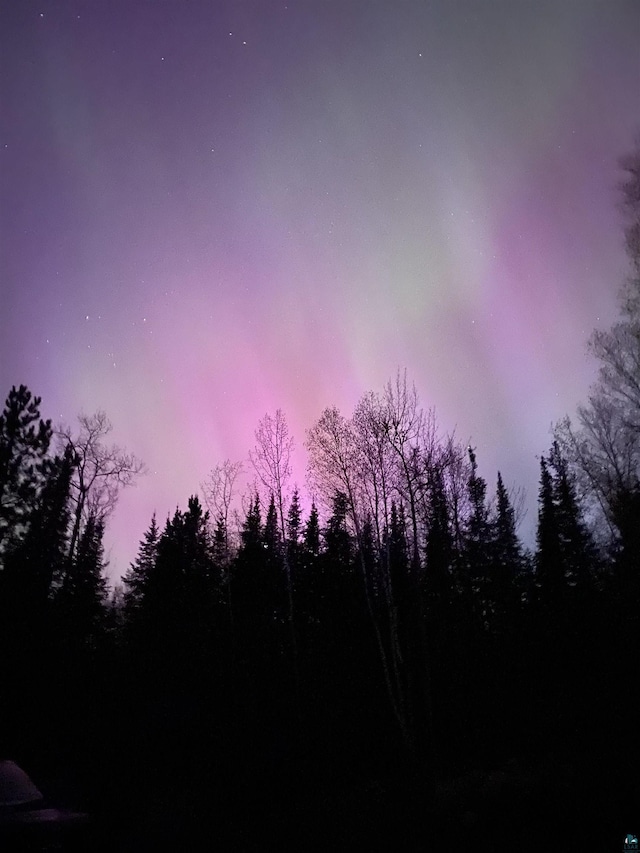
(35, 565)
(136, 578)
(24, 444)
(549, 563)
(603, 450)
(474, 566)
(80, 602)
(507, 585)
(312, 533)
(100, 473)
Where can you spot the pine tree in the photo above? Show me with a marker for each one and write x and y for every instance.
(578, 550)
(398, 550)
(312, 533)
(337, 538)
(308, 570)
(163, 584)
(198, 578)
(474, 574)
(81, 600)
(255, 585)
(507, 560)
(439, 547)
(178, 603)
(137, 576)
(251, 533)
(272, 538)
(222, 568)
(197, 549)
(566, 556)
(35, 565)
(221, 550)
(24, 444)
(294, 528)
(549, 563)
(368, 559)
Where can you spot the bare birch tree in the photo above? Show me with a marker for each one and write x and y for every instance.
(271, 460)
(403, 423)
(603, 447)
(219, 491)
(335, 465)
(101, 471)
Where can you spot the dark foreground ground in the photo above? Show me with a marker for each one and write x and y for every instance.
(273, 801)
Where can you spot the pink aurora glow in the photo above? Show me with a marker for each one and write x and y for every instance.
(213, 210)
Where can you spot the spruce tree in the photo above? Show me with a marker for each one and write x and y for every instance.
(136, 578)
(251, 533)
(338, 542)
(474, 567)
(507, 560)
(578, 550)
(82, 598)
(439, 549)
(272, 538)
(294, 519)
(312, 533)
(35, 565)
(24, 444)
(398, 550)
(550, 579)
(221, 559)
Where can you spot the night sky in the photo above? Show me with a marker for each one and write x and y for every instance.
(210, 210)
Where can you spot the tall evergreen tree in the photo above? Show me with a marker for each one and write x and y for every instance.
(275, 577)
(81, 600)
(474, 567)
(137, 576)
(578, 550)
(439, 549)
(549, 563)
(272, 538)
(294, 530)
(178, 599)
(507, 560)
(398, 552)
(258, 584)
(308, 572)
(251, 533)
(337, 538)
(221, 556)
(312, 532)
(35, 565)
(566, 555)
(24, 444)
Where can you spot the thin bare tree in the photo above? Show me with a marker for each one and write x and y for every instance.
(403, 422)
(271, 460)
(335, 464)
(101, 471)
(219, 491)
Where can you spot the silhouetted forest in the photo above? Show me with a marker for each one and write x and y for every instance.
(390, 668)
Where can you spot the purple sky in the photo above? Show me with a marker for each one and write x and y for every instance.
(210, 210)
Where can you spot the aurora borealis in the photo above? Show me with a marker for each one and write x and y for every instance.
(210, 210)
